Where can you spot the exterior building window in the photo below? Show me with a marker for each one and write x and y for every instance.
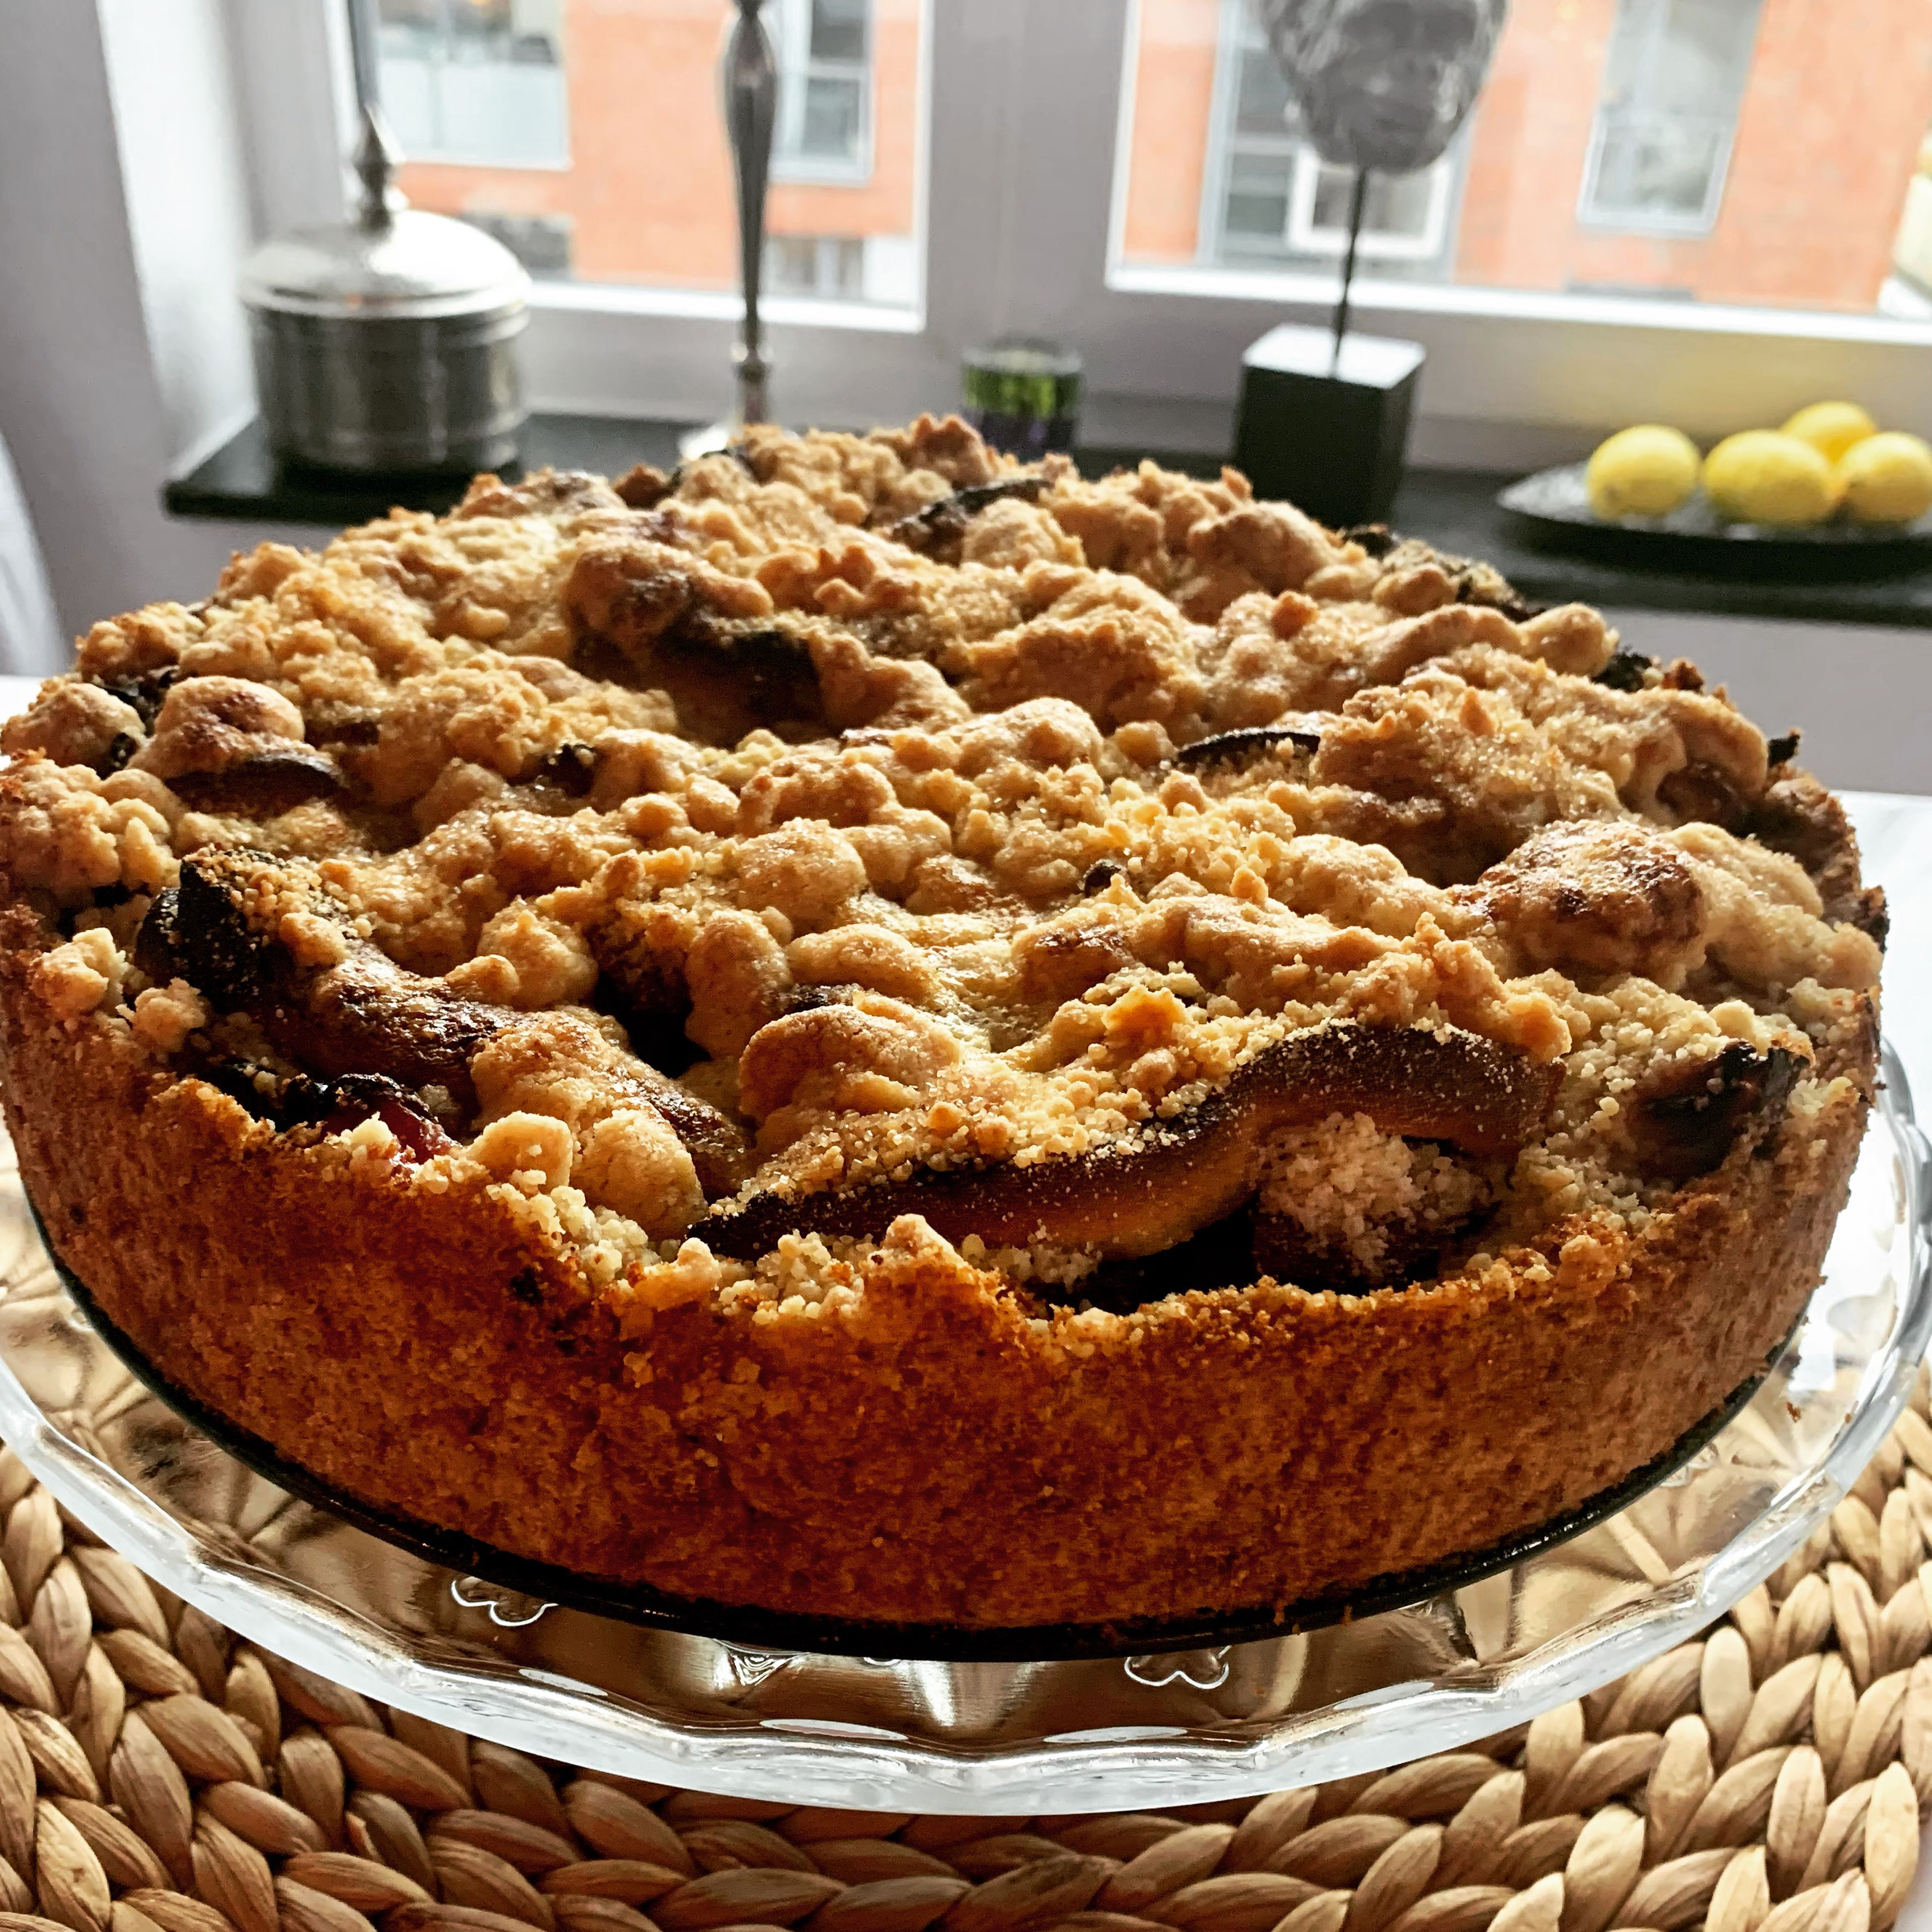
(1674, 80)
(832, 265)
(478, 81)
(587, 135)
(824, 130)
(1271, 198)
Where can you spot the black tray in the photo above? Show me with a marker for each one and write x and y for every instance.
(1552, 508)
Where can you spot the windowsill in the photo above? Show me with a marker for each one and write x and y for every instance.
(1454, 509)
(724, 305)
(1369, 296)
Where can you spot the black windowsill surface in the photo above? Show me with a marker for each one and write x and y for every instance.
(1455, 510)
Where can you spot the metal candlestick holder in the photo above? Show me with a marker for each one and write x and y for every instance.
(749, 73)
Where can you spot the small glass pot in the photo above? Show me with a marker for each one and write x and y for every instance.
(1024, 397)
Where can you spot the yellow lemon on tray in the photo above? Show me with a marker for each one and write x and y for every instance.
(1886, 478)
(1643, 472)
(1764, 476)
(1830, 428)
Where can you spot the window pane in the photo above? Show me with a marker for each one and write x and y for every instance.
(587, 135)
(1396, 206)
(476, 81)
(1754, 152)
(1257, 208)
(1674, 80)
(1262, 102)
(832, 265)
(833, 125)
(791, 265)
(837, 30)
(1656, 166)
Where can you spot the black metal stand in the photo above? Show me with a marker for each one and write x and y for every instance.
(1324, 417)
(1358, 199)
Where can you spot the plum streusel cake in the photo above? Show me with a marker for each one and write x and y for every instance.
(861, 1031)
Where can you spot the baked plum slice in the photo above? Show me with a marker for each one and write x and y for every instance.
(1149, 1193)
(1686, 1120)
(363, 1014)
(362, 1018)
(273, 781)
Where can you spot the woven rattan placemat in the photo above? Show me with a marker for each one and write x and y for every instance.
(159, 1774)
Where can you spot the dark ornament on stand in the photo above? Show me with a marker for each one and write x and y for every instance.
(1382, 87)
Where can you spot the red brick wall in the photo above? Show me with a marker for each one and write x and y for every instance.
(1528, 144)
(649, 184)
(1173, 90)
(1826, 142)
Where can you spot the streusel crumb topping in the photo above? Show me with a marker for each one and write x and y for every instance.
(855, 840)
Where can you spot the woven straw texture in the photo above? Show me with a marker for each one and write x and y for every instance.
(158, 1774)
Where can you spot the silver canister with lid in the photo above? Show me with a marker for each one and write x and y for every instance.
(387, 342)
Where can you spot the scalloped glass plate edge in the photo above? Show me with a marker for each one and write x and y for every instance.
(1187, 1750)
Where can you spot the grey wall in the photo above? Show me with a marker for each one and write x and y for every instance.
(79, 406)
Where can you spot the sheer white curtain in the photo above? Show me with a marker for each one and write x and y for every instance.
(30, 644)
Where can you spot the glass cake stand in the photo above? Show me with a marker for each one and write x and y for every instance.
(1478, 1655)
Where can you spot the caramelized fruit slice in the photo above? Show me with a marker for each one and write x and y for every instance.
(1180, 1175)
(1686, 1120)
(366, 1016)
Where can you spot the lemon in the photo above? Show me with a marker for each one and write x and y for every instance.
(1643, 471)
(1764, 476)
(1830, 428)
(1886, 478)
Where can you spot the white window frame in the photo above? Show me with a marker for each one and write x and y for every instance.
(1671, 227)
(559, 164)
(1017, 151)
(1685, 227)
(791, 34)
(1376, 244)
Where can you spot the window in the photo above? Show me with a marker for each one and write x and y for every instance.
(541, 242)
(1673, 81)
(1271, 197)
(478, 81)
(825, 88)
(1115, 174)
(1912, 252)
(587, 135)
(815, 264)
(1744, 152)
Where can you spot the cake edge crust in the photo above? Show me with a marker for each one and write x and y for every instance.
(928, 1454)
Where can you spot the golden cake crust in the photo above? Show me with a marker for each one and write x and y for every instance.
(1200, 1065)
(925, 1456)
